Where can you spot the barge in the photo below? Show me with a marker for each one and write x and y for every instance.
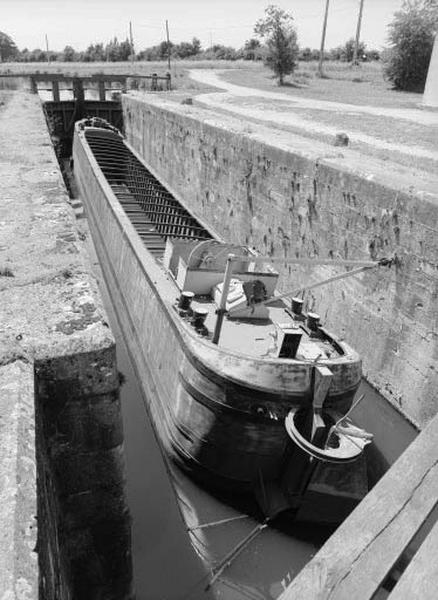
(245, 391)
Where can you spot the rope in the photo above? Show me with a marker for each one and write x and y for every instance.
(312, 261)
(214, 523)
(234, 553)
(301, 290)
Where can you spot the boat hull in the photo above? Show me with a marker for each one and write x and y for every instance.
(220, 416)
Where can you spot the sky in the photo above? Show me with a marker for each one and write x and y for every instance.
(79, 23)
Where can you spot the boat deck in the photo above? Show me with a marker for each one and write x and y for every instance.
(260, 337)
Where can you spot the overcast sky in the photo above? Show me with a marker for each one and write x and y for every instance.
(79, 23)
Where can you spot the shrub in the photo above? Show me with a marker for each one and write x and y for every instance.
(281, 41)
(411, 36)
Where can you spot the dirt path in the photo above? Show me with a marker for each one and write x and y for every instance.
(278, 109)
(419, 116)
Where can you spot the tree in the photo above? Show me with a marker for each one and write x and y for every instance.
(251, 49)
(94, 53)
(8, 49)
(150, 54)
(68, 54)
(281, 40)
(347, 50)
(307, 54)
(125, 50)
(187, 49)
(165, 48)
(411, 36)
(373, 54)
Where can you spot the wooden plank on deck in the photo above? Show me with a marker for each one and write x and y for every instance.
(357, 557)
(420, 580)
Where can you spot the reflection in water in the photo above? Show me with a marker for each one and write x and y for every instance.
(266, 565)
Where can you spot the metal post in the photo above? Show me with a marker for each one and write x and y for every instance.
(324, 28)
(223, 303)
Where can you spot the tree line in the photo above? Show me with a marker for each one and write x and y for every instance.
(406, 60)
(115, 51)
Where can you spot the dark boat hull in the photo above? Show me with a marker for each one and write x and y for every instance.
(220, 417)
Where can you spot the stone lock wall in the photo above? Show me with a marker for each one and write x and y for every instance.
(85, 524)
(293, 197)
(64, 520)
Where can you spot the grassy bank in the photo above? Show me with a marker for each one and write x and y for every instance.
(362, 84)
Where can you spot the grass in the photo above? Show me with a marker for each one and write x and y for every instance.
(363, 84)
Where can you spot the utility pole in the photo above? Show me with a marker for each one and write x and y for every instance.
(131, 41)
(168, 45)
(47, 49)
(324, 28)
(356, 44)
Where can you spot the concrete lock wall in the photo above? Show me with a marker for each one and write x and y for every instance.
(65, 526)
(294, 197)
